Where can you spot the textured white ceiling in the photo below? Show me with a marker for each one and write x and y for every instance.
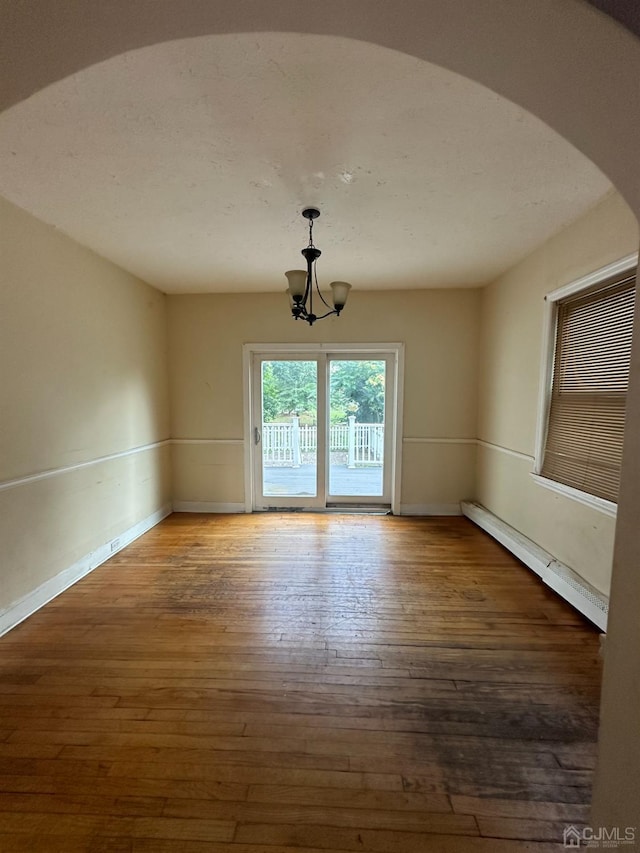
(188, 163)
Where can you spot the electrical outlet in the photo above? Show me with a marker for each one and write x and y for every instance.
(115, 544)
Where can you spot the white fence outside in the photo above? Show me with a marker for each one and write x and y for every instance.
(284, 444)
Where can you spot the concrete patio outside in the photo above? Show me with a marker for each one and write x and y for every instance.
(301, 481)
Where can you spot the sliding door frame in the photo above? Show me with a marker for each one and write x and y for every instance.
(396, 350)
(260, 501)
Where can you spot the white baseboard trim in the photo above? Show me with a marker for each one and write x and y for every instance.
(559, 577)
(430, 509)
(33, 601)
(208, 506)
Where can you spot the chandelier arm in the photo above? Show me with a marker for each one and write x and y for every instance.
(315, 271)
(328, 314)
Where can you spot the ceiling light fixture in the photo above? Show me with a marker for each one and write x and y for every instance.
(302, 282)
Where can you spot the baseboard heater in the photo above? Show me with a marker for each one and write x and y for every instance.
(555, 574)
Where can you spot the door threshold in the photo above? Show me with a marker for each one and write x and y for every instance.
(344, 509)
(354, 509)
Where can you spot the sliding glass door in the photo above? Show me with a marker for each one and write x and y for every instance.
(322, 429)
(286, 435)
(356, 410)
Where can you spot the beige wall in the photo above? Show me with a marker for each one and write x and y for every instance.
(438, 327)
(511, 351)
(83, 376)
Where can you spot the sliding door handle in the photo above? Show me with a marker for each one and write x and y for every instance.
(256, 435)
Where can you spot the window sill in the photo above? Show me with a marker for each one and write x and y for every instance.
(607, 507)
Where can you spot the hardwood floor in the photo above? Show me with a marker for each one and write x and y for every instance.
(286, 683)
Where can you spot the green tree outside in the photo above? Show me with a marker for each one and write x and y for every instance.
(357, 388)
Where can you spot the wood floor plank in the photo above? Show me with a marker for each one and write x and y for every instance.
(13, 842)
(87, 824)
(352, 799)
(297, 683)
(483, 807)
(252, 773)
(329, 838)
(82, 803)
(536, 830)
(111, 788)
(440, 822)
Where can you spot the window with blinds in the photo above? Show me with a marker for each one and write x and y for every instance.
(583, 447)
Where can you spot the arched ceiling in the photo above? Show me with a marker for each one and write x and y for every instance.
(627, 12)
(188, 163)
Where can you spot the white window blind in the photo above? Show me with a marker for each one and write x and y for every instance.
(588, 396)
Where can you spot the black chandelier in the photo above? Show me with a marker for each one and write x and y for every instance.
(302, 282)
